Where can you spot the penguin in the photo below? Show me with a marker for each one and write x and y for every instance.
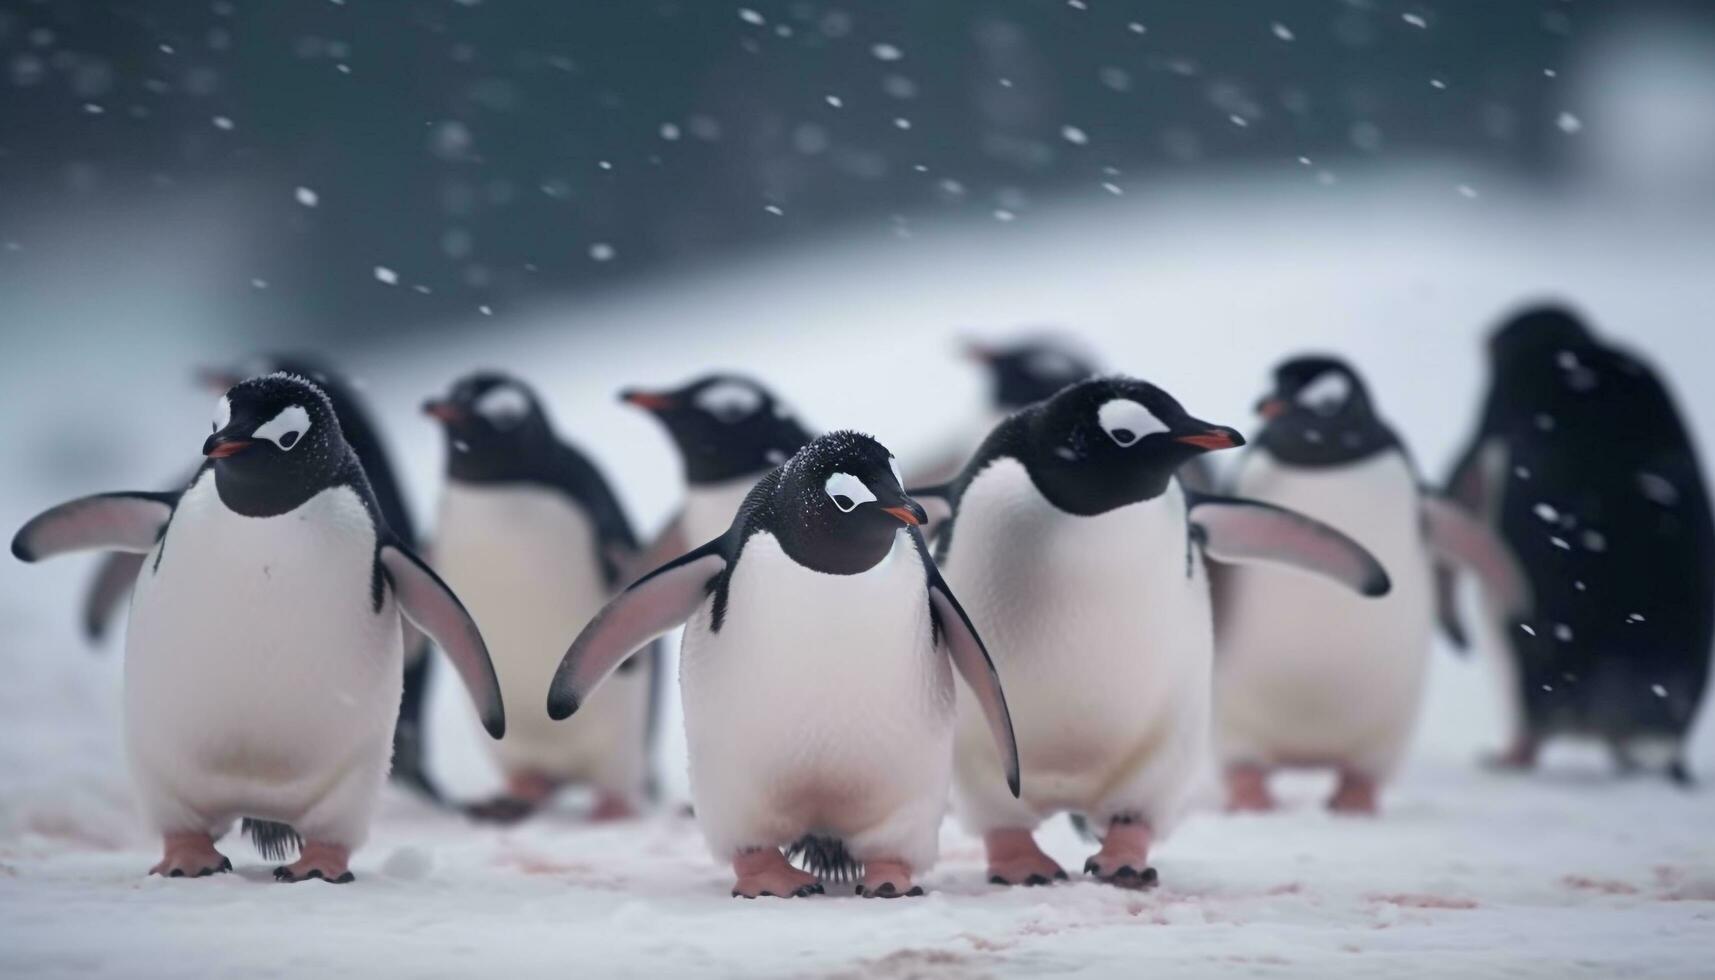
(1306, 673)
(1082, 560)
(1583, 465)
(111, 584)
(729, 430)
(1019, 373)
(817, 676)
(532, 536)
(263, 653)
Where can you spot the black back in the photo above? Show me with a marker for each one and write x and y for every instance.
(725, 426)
(1606, 508)
(1320, 414)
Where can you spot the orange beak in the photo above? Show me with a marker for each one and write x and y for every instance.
(905, 514)
(1213, 439)
(225, 448)
(443, 411)
(1271, 408)
(647, 400)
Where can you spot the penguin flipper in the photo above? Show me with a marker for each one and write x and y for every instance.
(130, 522)
(1457, 538)
(977, 668)
(1236, 530)
(426, 601)
(937, 504)
(656, 603)
(107, 591)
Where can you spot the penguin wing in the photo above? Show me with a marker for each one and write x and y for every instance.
(433, 608)
(107, 591)
(977, 668)
(1467, 487)
(104, 522)
(656, 603)
(937, 504)
(1240, 531)
(1458, 538)
(668, 545)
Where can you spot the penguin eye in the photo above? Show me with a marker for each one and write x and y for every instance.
(728, 401)
(285, 429)
(1326, 394)
(222, 413)
(503, 406)
(1126, 421)
(847, 491)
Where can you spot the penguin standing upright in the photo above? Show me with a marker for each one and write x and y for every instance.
(1583, 465)
(533, 537)
(1307, 674)
(729, 430)
(1081, 560)
(819, 702)
(117, 570)
(263, 655)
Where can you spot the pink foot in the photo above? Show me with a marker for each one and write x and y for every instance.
(1247, 790)
(318, 860)
(887, 879)
(1014, 859)
(1124, 857)
(526, 792)
(1517, 757)
(189, 854)
(610, 807)
(765, 873)
(1355, 795)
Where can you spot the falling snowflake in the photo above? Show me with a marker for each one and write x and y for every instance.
(1074, 135)
(1415, 20)
(601, 251)
(1281, 31)
(886, 52)
(222, 122)
(750, 16)
(386, 275)
(307, 197)
(1569, 123)
(669, 131)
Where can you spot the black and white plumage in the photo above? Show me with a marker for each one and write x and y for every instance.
(1081, 559)
(535, 540)
(1307, 673)
(1581, 462)
(729, 430)
(816, 678)
(264, 649)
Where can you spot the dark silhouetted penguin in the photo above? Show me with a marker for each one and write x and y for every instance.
(1583, 465)
(1306, 673)
(533, 538)
(264, 653)
(818, 693)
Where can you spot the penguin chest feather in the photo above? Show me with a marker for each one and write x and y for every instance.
(820, 701)
(258, 668)
(1100, 631)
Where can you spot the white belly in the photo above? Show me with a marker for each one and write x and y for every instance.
(820, 705)
(525, 561)
(710, 508)
(1101, 635)
(258, 672)
(1308, 671)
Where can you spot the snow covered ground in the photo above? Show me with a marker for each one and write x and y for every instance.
(1199, 287)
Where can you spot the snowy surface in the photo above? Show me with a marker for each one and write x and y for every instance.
(1199, 287)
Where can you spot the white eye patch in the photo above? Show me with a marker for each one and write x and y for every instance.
(222, 414)
(1326, 394)
(286, 429)
(503, 406)
(728, 401)
(1125, 421)
(847, 491)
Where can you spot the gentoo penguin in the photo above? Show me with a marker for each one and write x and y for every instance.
(729, 430)
(1583, 465)
(1081, 559)
(263, 653)
(532, 536)
(819, 704)
(111, 584)
(1019, 373)
(1306, 673)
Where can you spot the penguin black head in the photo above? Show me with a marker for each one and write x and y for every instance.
(1320, 414)
(495, 427)
(1108, 442)
(726, 426)
(217, 378)
(276, 443)
(1029, 371)
(1535, 331)
(839, 502)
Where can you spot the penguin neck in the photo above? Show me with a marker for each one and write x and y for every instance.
(274, 491)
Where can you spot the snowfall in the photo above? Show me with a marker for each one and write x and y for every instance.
(1199, 286)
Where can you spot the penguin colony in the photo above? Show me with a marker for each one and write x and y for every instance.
(1070, 611)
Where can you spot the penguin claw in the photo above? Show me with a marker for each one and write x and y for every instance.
(1035, 880)
(888, 889)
